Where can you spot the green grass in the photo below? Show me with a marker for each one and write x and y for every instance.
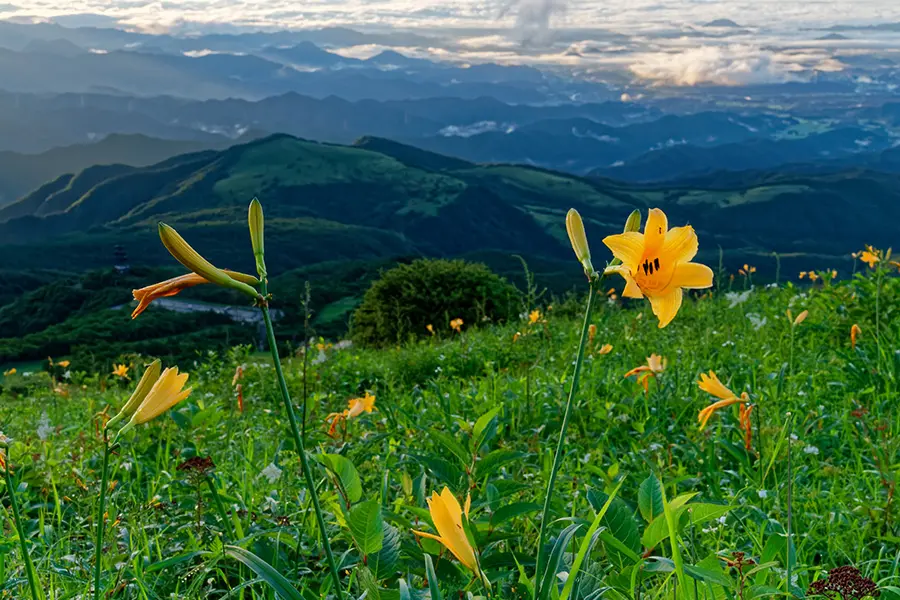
(431, 398)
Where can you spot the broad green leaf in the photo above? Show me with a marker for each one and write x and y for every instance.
(650, 498)
(444, 471)
(279, 584)
(485, 428)
(510, 511)
(454, 447)
(384, 562)
(621, 525)
(346, 473)
(496, 459)
(367, 526)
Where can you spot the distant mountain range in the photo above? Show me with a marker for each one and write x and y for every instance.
(380, 199)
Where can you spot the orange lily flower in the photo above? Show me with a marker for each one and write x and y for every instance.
(656, 364)
(174, 286)
(855, 331)
(711, 385)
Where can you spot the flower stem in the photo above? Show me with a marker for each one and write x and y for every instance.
(560, 447)
(220, 507)
(299, 441)
(29, 566)
(101, 520)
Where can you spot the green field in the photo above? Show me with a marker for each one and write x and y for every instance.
(694, 513)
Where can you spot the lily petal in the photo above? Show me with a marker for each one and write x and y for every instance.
(627, 247)
(666, 306)
(680, 244)
(692, 276)
(655, 232)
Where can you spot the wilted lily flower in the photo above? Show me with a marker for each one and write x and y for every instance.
(855, 332)
(656, 264)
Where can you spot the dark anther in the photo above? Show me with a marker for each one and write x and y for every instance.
(656, 262)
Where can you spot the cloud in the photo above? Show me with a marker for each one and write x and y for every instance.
(719, 65)
(533, 18)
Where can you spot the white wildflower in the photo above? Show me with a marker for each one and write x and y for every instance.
(757, 321)
(272, 473)
(44, 427)
(763, 494)
(811, 450)
(736, 298)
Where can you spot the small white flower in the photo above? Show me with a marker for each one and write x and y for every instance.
(811, 450)
(322, 357)
(763, 494)
(67, 375)
(757, 321)
(271, 472)
(44, 427)
(736, 298)
(127, 466)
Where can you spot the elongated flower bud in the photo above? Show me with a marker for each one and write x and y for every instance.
(257, 226)
(633, 223)
(575, 228)
(190, 258)
(151, 375)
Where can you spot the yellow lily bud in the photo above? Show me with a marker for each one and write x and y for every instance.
(151, 375)
(257, 225)
(575, 228)
(190, 258)
(166, 392)
(801, 317)
(633, 223)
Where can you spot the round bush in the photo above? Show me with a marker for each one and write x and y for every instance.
(408, 298)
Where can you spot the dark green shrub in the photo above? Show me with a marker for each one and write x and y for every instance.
(406, 299)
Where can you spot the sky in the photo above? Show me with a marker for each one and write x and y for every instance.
(666, 42)
(620, 15)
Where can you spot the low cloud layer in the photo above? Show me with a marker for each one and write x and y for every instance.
(718, 65)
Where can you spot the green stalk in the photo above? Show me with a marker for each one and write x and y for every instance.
(299, 441)
(220, 507)
(673, 541)
(101, 521)
(790, 485)
(560, 447)
(29, 566)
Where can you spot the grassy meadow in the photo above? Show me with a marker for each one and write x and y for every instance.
(794, 476)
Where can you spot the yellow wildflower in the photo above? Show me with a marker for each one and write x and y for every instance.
(605, 349)
(870, 256)
(456, 325)
(446, 514)
(534, 316)
(167, 391)
(120, 371)
(430, 328)
(855, 331)
(656, 264)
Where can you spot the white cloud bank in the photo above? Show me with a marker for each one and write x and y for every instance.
(718, 65)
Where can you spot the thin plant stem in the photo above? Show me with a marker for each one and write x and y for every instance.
(220, 507)
(673, 541)
(101, 520)
(299, 441)
(790, 490)
(17, 518)
(560, 447)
